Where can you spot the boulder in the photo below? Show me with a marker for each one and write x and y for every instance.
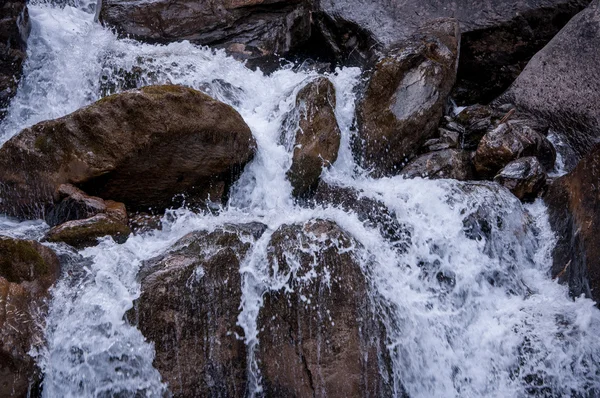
(372, 212)
(448, 163)
(14, 30)
(320, 336)
(318, 136)
(85, 232)
(246, 28)
(189, 306)
(499, 37)
(27, 270)
(561, 83)
(405, 97)
(574, 214)
(524, 177)
(139, 147)
(509, 141)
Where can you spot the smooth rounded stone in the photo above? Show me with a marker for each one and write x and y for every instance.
(14, 31)
(499, 37)
(509, 141)
(524, 177)
(245, 28)
(561, 83)
(140, 147)
(189, 306)
(321, 337)
(86, 232)
(27, 270)
(405, 97)
(318, 136)
(372, 212)
(448, 163)
(574, 214)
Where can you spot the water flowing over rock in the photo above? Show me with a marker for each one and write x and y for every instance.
(246, 28)
(189, 308)
(405, 97)
(447, 163)
(318, 334)
(140, 147)
(524, 177)
(561, 84)
(574, 211)
(27, 270)
(14, 30)
(317, 138)
(510, 141)
(499, 37)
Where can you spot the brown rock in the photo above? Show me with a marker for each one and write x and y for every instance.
(524, 177)
(74, 205)
(189, 307)
(14, 30)
(246, 27)
(318, 137)
(27, 270)
(508, 142)
(405, 97)
(574, 212)
(448, 163)
(139, 147)
(321, 338)
(476, 121)
(85, 232)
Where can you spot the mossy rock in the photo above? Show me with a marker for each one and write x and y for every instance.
(24, 260)
(84, 233)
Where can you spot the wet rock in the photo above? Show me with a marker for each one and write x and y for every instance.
(85, 232)
(476, 120)
(188, 307)
(74, 205)
(561, 85)
(498, 37)
(321, 337)
(524, 177)
(372, 212)
(448, 163)
(141, 222)
(14, 30)
(139, 147)
(245, 28)
(27, 270)
(574, 214)
(318, 137)
(509, 141)
(405, 97)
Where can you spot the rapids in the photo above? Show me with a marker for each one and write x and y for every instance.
(465, 317)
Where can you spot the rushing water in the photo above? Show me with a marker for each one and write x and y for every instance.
(494, 324)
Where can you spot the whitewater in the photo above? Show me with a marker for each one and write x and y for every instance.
(465, 316)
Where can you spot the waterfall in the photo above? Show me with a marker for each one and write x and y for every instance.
(466, 316)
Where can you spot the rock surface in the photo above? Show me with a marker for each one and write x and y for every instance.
(321, 338)
(318, 138)
(139, 147)
(574, 212)
(448, 163)
(524, 177)
(27, 270)
(246, 28)
(189, 307)
(85, 232)
(499, 37)
(561, 85)
(14, 30)
(405, 97)
(509, 141)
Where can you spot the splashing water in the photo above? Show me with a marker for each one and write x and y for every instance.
(469, 311)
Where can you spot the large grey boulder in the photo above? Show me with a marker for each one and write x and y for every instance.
(14, 29)
(244, 27)
(499, 36)
(561, 84)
